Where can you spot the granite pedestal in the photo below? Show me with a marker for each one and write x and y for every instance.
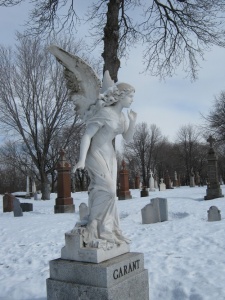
(119, 278)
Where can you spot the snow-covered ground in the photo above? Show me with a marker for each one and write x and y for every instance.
(185, 256)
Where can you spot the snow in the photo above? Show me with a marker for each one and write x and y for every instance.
(184, 255)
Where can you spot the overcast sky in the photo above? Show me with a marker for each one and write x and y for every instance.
(169, 104)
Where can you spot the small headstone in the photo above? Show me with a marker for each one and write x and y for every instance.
(162, 186)
(214, 214)
(37, 195)
(156, 211)
(83, 211)
(26, 207)
(17, 210)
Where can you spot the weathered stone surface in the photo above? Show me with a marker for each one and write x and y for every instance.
(74, 250)
(214, 214)
(156, 211)
(120, 278)
(17, 210)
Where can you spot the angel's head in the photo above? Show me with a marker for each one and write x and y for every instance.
(118, 92)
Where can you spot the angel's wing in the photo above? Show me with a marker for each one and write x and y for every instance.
(82, 82)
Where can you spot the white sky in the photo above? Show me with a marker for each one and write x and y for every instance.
(170, 104)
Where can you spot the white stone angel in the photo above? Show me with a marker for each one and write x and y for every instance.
(102, 113)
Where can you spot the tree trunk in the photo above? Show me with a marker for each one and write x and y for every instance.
(45, 190)
(111, 40)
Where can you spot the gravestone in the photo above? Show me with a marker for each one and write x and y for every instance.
(162, 186)
(8, 202)
(144, 191)
(213, 187)
(214, 214)
(17, 210)
(151, 182)
(37, 195)
(124, 192)
(64, 201)
(26, 207)
(168, 181)
(83, 211)
(156, 211)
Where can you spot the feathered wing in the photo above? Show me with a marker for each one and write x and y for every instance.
(82, 82)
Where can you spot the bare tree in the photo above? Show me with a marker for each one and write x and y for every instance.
(215, 120)
(142, 151)
(190, 151)
(173, 32)
(34, 105)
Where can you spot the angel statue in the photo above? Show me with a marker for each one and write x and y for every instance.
(101, 109)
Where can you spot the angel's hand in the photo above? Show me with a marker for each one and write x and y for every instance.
(79, 165)
(132, 116)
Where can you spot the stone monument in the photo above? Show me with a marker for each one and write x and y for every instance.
(95, 262)
(64, 201)
(213, 187)
(124, 193)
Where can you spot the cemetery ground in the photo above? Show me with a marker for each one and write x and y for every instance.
(184, 255)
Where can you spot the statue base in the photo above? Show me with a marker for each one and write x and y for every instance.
(120, 278)
(74, 249)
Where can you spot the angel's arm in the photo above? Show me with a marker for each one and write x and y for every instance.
(129, 130)
(85, 144)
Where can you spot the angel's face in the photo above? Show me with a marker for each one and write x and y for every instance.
(127, 99)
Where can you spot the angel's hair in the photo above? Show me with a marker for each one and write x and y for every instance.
(110, 97)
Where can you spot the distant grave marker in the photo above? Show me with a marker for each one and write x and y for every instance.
(214, 214)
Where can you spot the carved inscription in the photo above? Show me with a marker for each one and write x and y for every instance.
(126, 269)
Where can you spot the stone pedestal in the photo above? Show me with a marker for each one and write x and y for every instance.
(124, 192)
(213, 188)
(120, 278)
(64, 201)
